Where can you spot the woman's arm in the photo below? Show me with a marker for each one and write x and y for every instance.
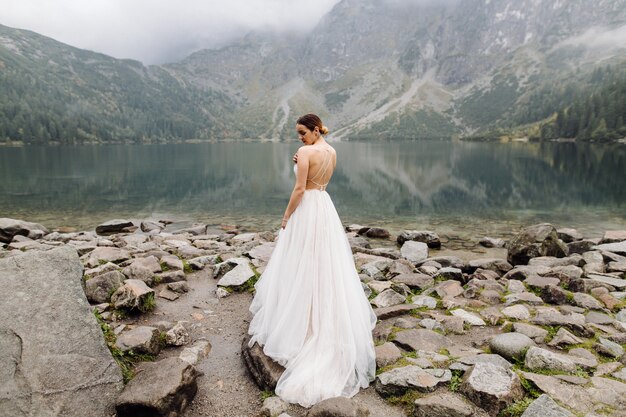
(299, 187)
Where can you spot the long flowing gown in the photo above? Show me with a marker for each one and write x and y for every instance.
(310, 312)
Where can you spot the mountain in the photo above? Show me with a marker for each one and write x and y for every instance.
(371, 68)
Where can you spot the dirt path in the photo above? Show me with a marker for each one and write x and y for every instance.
(226, 389)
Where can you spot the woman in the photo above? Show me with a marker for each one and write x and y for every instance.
(310, 312)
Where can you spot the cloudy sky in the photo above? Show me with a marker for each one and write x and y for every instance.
(158, 31)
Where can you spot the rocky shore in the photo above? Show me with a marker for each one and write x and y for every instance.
(534, 326)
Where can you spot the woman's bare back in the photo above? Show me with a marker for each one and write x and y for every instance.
(322, 162)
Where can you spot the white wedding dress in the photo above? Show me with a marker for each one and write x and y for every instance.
(310, 312)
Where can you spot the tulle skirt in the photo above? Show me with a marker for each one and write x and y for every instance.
(310, 312)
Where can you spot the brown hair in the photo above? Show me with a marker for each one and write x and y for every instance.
(311, 121)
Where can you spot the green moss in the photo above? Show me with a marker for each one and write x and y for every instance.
(148, 304)
(530, 388)
(517, 408)
(455, 382)
(164, 267)
(406, 401)
(101, 261)
(264, 395)
(186, 267)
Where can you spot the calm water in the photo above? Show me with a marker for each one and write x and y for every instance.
(455, 188)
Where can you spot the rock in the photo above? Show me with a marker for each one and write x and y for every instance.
(609, 348)
(446, 404)
(177, 335)
(374, 232)
(103, 254)
(586, 301)
(538, 358)
(581, 246)
(169, 276)
(393, 311)
(522, 297)
(490, 242)
(193, 355)
(518, 312)
(501, 266)
(491, 387)
(142, 339)
(9, 228)
(414, 251)
(161, 389)
(569, 235)
(534, 332)
(450, 273)
(544, 406)
(149, 226)
(446, 261)
(99, 289)
(583, 358)
(202, 261)
(554, 295)
(237, 276)
(613, 236)
(448, 289)
(611, 280)
(421, 339)
(273, 406)
(179, 287)
(398, 380)
(618, 247)
(598, 318)
(511, 346)
(429, 238)
(553, 261)
(536, 281)
(386, 354)
(537, 240)
(468, 317)
(621, 315)
(171, 263)
(424, 301)
(47, 328)
(263, 369)
(137, 271)
(493, 359)
(133, 295)
(338, 407)
(388, 298)
(115, 226)
(564, 338)
(419, 281)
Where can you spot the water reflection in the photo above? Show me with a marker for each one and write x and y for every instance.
(405, 184)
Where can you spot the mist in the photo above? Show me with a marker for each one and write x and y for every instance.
(157, 32)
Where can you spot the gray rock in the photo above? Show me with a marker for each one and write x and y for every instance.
(133, 295)
(618, 247)
(100, 288)
(490, 242)
(115, 226)
(424, 301)
(586, 301)
(491, 387)
(450, 273)
(419, 281)
(511, 345)
(137, 271)
(449, 289)
(536, 281)
(553, 294)
(613, 236)
(538, 358)
(264, 370)
(491, 358)
(564, 338)
(414, 251)
(398, 380)
(446, 404)
(161, 389)
(534, 241)
(421, 339)
(177, 335)
(468, 317)
(609, 348)
(447, 261)
(237, 276)
(142, 339)
(388, 298)
(517, 312)
(169, 276)
(149, 226)
(621, 315)
(194, 354)
(179, 287)
(338, 407)
(104, 254)
(429, 238)
(273, 406)
(581, 246)
(569, 235)
(9, 228)
(596, 317)
(501, 266)
(393, 311)
(522, 297)
(611, 280)
(534, 332)
(47, 328)
(386, 354)
(544, 406)
(554, 261)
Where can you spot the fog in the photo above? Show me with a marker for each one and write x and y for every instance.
(158, 31)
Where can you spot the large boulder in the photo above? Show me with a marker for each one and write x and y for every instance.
(133, 295)
(338, 407)
(161, 389)
(115, 226)
(100, 288)
(53, 357)
(491, 387)
(11, 227)
(533, 241)
(264, 370)
(424, 236)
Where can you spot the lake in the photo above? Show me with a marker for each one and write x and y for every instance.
(455, 188)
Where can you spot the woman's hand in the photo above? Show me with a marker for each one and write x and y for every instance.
(295, 158)
(284, 223)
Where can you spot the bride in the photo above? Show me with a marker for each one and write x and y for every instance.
(310, 312)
